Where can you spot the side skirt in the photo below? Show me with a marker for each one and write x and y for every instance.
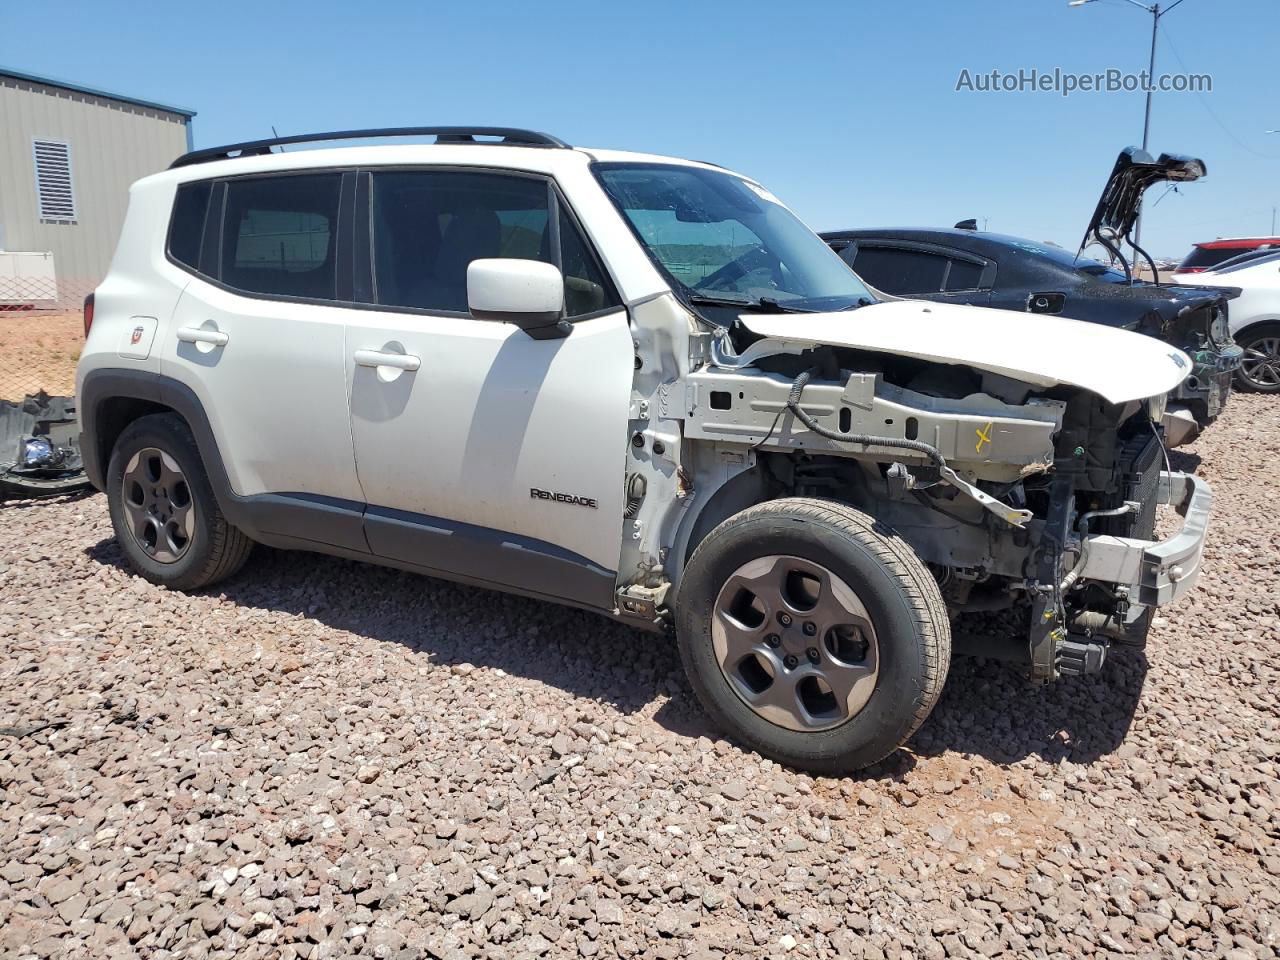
(600, 600)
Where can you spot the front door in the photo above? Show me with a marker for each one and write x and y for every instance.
(483, 453)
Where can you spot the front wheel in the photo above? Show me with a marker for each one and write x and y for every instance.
(1259, 369)
(813, 634)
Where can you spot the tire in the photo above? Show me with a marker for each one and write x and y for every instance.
(1259, 370)
(163, 510)
(903, 644)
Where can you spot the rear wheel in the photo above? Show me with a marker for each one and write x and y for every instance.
(162, 507)
(1260, 366)
(813, 634)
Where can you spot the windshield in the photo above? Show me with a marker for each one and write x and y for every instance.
(720, 237)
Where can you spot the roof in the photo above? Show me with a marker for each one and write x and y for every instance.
(79, 88)
(924, 234)
(1230, 243)
(534, 159)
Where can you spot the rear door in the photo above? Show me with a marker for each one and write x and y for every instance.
(484, 453)
(258, 336)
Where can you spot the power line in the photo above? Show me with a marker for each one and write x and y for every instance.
(1205, 103)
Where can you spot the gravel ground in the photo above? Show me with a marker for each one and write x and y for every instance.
(324, 759)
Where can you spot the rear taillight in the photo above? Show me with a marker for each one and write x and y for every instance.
(88, 314)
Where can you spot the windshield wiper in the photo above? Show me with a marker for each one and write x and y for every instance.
(860, 302)
(763, 303)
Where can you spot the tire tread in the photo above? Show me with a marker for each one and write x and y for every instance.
(896, 556)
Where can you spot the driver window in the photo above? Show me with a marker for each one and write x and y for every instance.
(429, 225)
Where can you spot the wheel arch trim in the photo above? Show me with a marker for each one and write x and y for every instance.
(106, 384)
(1255, 324)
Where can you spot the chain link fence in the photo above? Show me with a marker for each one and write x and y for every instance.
(41, 335)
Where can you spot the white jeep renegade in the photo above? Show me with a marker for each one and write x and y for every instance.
(636, 385)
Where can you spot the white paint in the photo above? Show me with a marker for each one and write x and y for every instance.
(1259, 284)
(271, 376)
(490, 414)
(514, 286)
(1115, 364)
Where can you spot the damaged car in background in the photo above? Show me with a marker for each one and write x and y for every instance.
(720, 429)
(966, 265)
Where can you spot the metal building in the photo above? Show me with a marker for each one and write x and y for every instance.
(67, 156)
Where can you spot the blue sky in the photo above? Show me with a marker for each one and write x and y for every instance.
(846, 110)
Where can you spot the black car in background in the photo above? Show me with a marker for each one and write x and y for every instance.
(965, 265)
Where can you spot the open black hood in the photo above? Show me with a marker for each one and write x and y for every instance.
(1134, 172)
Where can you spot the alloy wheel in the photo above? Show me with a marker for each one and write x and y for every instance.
(157, 502)
(795, 643)
(1260, 365)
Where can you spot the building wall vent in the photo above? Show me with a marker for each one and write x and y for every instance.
(54, 191)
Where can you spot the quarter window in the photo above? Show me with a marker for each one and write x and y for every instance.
(186, 230)
(586, 288)
(279, 233)
(964, 275)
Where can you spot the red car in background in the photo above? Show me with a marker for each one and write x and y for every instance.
(1207, 255)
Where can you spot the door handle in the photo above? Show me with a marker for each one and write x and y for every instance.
(377, 358)
(201, 335)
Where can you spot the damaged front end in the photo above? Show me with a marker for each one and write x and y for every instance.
(1021, 490)
(1099, 570)
(1199, 328)
(39, 447)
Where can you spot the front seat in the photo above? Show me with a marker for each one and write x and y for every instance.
(472, 234)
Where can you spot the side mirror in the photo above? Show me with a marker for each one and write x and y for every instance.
(528, 293)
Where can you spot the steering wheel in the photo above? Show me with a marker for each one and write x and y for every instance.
(758, 258)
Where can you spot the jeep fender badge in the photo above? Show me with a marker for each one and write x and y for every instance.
(576, 500)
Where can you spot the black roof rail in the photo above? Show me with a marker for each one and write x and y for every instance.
(507, 136)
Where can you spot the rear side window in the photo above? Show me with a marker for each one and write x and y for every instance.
(428, 225)
(186, 229)
(279, 234)
(899, 271)
(964, 275)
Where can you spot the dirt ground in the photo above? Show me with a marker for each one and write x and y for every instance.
(321, 759)
(38, 351)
